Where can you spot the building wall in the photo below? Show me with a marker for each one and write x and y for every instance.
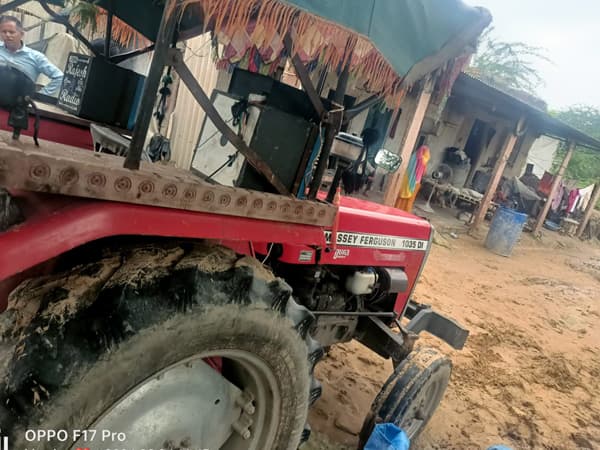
(31, 15)
(408, 105)
(188, 116)
(542, 155)
(451, 131)
(455, 127)
(517, 163)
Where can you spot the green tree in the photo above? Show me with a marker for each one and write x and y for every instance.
(508, 64)
(84, 14)
(585, 164)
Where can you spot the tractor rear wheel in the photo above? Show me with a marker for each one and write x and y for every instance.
(159, 348)
(411, 394)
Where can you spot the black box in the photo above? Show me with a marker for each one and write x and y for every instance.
(100, 91)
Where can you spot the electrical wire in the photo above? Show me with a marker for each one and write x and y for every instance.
(230, 160)
(208, 139)
(195, 52)
(268, 254)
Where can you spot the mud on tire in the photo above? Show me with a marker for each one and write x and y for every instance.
(74, 344)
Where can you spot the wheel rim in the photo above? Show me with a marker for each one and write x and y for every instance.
(424, 404)
(191, 405)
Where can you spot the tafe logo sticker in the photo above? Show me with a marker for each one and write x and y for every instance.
(341, 253)
(378, 241)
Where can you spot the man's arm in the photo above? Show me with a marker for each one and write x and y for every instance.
(52, 72)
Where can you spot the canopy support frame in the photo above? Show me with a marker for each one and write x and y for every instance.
(11, 5)
(166, 35)
(109, 29)
(65, 22)
(176, 60)
(362, 106)
(305, 80)
(164, 56)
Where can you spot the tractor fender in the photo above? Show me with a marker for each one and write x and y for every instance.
(54, 225)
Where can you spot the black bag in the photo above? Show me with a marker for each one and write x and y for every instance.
(16, 92)
(15, 86)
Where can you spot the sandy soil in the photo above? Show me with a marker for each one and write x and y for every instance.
(530, 374)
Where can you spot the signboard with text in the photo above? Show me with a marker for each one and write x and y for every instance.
(75, 79)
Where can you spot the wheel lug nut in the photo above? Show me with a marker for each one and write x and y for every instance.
(246, 402)
(242, 426)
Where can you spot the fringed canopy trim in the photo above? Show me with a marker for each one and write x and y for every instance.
(244, 25)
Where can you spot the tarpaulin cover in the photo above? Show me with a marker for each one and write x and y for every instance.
(389, 38)
(404, 31)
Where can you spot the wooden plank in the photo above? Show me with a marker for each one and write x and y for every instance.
(509, 145)
(81, 173)
(553, 190)
(589, 210)
(86, 156)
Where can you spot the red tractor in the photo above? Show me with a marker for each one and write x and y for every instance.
(149, 307)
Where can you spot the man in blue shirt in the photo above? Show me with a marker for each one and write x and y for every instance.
(14, 53)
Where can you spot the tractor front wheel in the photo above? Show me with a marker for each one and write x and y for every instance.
(411, 394)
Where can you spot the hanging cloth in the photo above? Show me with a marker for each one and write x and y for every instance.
(573, 197)
(557, 200)
(417, 166)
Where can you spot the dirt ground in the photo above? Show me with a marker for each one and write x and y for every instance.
(529, 376)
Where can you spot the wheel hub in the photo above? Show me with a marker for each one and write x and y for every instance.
(191, 405)
(423, 406)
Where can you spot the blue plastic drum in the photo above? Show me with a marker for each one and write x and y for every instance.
(505, 231)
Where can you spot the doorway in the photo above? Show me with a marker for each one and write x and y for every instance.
(479, 139)
(378, 119)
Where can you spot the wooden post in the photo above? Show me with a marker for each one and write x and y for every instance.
(553, 190)
(507, 149)
(332, 128)
(304, 76)
(409, 141)
(166, 31)
(109, 30)
(588, 211)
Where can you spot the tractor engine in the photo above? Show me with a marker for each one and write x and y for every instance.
(351, 290)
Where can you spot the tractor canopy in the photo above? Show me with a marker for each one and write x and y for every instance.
(385, 41)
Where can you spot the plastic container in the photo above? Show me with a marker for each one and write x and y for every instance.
(387, 436)
(505, 231)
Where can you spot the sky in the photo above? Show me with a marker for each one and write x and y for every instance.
(570, 33)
